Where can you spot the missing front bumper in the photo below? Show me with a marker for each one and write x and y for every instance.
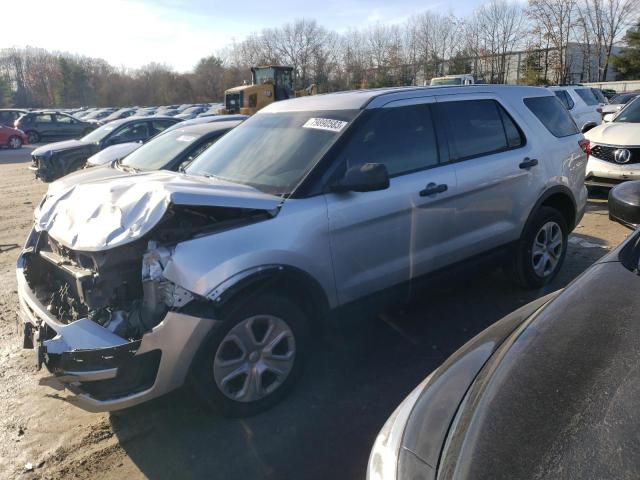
(107, 372)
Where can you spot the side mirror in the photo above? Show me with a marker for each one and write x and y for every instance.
(363, 178)
(608, 117)
(624, 204)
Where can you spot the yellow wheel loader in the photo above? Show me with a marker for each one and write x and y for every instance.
(269, 84)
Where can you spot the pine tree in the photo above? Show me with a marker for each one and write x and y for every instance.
(627, 62)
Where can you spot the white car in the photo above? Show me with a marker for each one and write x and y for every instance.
(112, 153)
(582, 103)
(615, 149)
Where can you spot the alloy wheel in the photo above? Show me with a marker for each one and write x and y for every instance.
(547, 249)
(254, 358)
(15, 142)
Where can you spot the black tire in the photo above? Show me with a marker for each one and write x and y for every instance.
(202, 370)
(33, 137)
(14, 143)
(522, 267)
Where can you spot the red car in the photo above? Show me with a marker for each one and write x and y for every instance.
(12, 137)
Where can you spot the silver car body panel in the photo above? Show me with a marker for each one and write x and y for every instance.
(113, 153)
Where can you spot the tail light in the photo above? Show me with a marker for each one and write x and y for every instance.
(585, 145)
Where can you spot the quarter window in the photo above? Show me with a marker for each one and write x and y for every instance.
(565, 98)
(44, 119)
(478, 127)
(553, 115)
(401, 138)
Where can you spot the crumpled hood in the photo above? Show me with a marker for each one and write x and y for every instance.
(114, 152)
(103, 214)
(59, 146)
(623, 134)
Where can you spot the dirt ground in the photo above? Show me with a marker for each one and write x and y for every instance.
(325, 430)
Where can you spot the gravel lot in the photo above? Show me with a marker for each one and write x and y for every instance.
(359, 372)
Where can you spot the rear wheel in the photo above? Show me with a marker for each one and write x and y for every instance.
(15, 143)
(33, 137)
(541, 249)
(254, 358)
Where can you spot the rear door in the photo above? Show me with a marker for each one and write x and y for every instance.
(497, 170)
(66, 127)
(384, 238)
(44, 124)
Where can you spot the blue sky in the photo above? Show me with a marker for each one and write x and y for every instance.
(132, 33)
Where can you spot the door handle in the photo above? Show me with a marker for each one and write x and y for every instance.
(528, 163)
(432, 189)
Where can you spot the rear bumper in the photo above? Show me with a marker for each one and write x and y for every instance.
(607, 174)
(104, 371)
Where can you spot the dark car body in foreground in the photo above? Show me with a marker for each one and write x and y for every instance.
(169, 151)
(55, 160)
(550, 391)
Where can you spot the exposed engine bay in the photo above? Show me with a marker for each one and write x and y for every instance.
(123, 289)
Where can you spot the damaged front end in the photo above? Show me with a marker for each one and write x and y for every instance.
(49, 165)
(107, 323)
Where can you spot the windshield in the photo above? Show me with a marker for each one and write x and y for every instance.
(98, 134)
(157, 153)
(273, 151)
(446, 81)
(630, 113)
(192, 110)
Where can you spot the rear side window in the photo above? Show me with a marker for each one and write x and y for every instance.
(586, 94)
(565, 98)
(401, 138)
(479, 127)
(553, 115)
(44, 118)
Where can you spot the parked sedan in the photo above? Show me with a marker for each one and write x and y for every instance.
(614, 154)
(191, 112)
(12, 137)
(118, 114)
(618, 102)
(169, 151)
(550, 391)
(52, 125)
(57, 159)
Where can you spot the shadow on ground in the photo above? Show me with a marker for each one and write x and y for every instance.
(361, 369)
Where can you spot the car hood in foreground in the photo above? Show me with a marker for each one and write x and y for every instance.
(105, 213)
(112, 153)
(560, 399)
(624, 134)
(59, 146)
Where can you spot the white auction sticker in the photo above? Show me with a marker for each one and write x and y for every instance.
(325, 124)
(186, 138)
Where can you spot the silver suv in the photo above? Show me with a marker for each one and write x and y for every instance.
(222, 274)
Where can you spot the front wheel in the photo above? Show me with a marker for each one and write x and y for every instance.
(15, 143)
(254, 358)
(541, 249)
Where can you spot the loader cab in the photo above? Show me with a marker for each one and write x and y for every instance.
(280, 77)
